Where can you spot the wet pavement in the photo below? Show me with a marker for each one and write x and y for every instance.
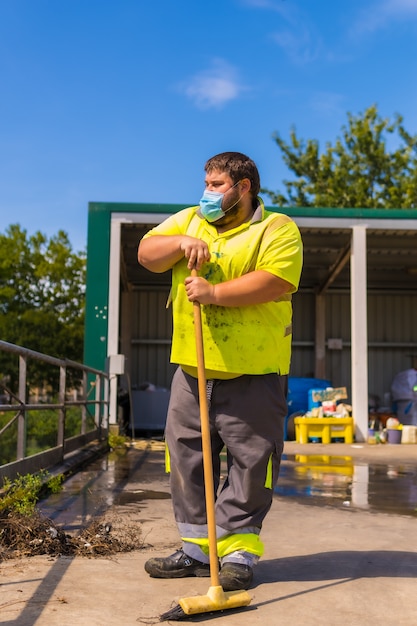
(385, 483)
(340, 545)
(343, 481)
(105, 483)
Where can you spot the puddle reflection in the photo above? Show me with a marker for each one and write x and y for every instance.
(112, 480)
(342, 482)
(337, 481)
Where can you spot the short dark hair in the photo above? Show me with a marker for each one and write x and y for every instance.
(238, 166)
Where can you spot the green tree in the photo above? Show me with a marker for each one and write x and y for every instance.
(358, 171)
(42, 298)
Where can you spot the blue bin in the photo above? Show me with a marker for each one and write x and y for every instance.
(298, 395)
(314, 403)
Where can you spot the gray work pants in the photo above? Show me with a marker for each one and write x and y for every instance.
(247, 417)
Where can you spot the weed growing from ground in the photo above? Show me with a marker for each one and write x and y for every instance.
(22, 494)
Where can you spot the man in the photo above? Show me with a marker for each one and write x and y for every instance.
(249, 263)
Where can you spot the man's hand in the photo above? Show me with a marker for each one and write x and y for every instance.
(254, 287)
(196, 251)
(159, 253)
(199, 290)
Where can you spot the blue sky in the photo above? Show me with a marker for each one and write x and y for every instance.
(124, 100)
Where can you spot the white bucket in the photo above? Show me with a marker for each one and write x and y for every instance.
(409, 434)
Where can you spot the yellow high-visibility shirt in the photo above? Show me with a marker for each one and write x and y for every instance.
(253, 339)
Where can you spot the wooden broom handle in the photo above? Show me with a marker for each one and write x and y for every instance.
(206, 445)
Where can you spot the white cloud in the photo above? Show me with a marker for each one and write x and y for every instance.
(288, 10)
(327, 103)
(296, 36)
(214, 87)
(265, 4)
(299, 45)
(380, 14)
(399, 6)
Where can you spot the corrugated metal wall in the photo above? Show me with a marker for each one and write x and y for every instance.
(151, 329)
(302, 362)
(392, 337)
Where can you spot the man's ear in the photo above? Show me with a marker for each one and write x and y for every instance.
(245, 185)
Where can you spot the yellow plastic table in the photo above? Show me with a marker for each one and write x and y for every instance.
(325, 428)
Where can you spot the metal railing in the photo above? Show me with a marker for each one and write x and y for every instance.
(92, 400)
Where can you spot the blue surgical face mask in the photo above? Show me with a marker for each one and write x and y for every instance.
(211, 205)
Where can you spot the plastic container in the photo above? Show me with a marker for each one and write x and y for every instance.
(409, 434)
(394, 435)
(150, 409)
(298, 399)
(298, 392)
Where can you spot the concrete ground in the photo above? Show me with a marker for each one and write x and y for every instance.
(322, 565)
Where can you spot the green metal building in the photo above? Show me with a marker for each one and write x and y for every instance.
(354, 314)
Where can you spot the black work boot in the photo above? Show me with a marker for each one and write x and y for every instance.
(178, 565)
(235, 576)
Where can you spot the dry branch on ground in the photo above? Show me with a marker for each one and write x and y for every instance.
(33, 535)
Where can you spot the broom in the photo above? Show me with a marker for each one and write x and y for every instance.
(216, 599)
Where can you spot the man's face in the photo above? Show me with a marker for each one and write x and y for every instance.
(217, 181)
(221, 182)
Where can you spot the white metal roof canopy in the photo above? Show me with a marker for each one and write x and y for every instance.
(352, 245)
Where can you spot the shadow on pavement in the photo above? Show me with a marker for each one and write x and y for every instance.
(344, 564)
(35, 605)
